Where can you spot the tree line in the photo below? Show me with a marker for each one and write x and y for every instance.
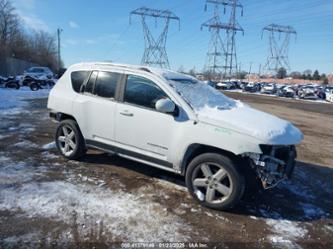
(306, 75)
(17, 41)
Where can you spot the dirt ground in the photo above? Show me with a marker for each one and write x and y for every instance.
(103, 200)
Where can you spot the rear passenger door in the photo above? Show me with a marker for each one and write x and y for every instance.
(95, 107)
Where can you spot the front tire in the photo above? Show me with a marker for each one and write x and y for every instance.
(34, 86)
(69, 140)
(214, 181)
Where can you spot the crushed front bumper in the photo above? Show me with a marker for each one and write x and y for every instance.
(274, 165)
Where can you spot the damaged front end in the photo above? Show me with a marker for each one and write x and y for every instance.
(274, 165)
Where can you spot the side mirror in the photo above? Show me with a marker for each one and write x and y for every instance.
(165, 105)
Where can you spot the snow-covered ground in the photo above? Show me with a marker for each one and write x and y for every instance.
(12, 100)
(74, 203)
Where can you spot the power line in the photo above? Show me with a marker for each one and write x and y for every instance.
(278, 51)
(155, 49)
(221, 56)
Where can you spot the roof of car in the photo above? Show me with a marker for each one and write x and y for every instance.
(168, 74)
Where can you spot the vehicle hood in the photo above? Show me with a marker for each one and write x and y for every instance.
(243, 119)
(309, 91)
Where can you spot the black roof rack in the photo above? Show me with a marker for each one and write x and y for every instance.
(144, 69)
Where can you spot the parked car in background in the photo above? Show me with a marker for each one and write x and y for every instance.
(286, 91)
(243, 84)
(329, 94)
(307, 92)
(173, 122)
(39, 72)
(326, 90)
(226, 85)
(251, 87)
(10, 82)
(269, 88)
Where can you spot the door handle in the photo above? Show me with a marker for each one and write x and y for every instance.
(127, 114)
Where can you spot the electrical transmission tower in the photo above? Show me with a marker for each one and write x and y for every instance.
(278, 50)
(221, 56)
(155, 52)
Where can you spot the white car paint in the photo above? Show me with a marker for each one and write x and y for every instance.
(39, 72)
(329, 96)
(206, 117)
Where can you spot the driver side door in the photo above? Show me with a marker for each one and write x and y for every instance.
(140, 128)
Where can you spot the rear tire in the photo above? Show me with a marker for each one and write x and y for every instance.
(69, 140)
(215, 181)
(13, 85)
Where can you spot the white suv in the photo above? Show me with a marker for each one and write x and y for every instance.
(39, 72)
(174, 122)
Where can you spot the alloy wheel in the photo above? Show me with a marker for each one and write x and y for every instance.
(211, 183)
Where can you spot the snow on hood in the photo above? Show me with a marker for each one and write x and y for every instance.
(268, 128)
(213, 107)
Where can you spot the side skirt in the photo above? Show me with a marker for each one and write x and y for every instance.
(131, 155)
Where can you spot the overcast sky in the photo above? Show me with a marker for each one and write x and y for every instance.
(99, 30)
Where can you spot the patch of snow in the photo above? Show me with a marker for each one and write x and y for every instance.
(17, 241)
(48, 155)
(15, 98)
(285, 232)
(209, 214)
(49, 146)
(200, 195)
(4, 159)
(20, 172)
(329, 228)
(25, 128)
(3, 136)
(26, 144)
(122, 214)
(312, 211)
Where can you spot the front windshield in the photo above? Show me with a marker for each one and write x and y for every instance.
(201, 96)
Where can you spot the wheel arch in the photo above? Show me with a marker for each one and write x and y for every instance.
(60, 116)
(196, 149)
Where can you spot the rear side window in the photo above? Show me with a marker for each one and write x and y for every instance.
(106, 84)
(143, 92)
(78, 78)
(91, 82)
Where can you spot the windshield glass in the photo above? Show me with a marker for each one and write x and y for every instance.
(201, 96)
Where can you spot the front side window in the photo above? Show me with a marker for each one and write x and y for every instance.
(78, 78)
(106, 84)
(143, 92)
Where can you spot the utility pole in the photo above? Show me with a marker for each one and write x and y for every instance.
(155, 48)
(278, 51)
(250, 69)
(59, 30)
(221, 56)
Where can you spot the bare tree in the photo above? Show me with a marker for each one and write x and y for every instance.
(34, 46)
(9, 23)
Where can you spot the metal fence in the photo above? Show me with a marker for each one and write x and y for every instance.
(13, 66)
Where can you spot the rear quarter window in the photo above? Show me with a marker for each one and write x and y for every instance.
(78, 78)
